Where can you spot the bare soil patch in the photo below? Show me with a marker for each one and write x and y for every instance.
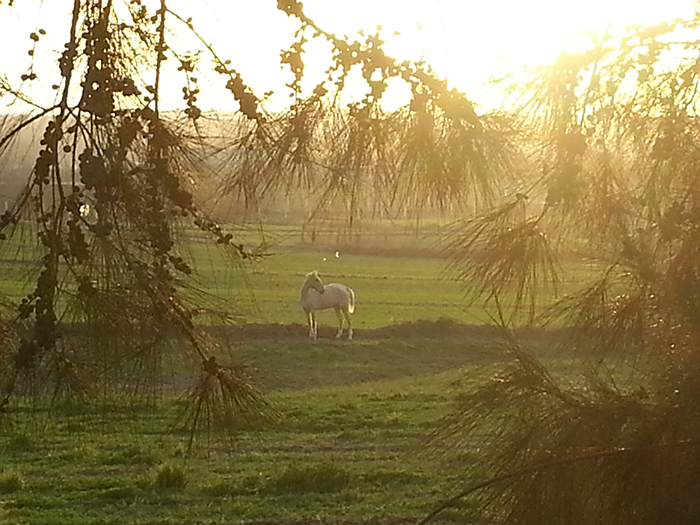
(443, 328)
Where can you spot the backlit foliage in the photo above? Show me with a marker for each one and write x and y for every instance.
(357, 159)
(112, 296)
(99, 218)
(598, 164)
(615, 156)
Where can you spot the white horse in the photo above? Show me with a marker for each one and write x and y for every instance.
(317, 296)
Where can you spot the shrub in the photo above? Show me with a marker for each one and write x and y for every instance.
(11, 481)
(169, 476)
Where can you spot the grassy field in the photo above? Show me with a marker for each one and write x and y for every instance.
(396, 272)
(389, 288)
(399, 276)
(350, 446)
(352, 443)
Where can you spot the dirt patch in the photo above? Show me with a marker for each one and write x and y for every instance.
(385, 520)
(442, 328)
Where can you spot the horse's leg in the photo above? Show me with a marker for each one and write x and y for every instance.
(310, 322)
(340, 322)
(348, 318)
(314, 325)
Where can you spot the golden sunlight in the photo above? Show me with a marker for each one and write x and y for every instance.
(469, 42)
(466, 42)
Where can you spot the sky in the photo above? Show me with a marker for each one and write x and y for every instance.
(465, 41)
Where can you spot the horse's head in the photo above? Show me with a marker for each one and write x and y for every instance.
(314, 281)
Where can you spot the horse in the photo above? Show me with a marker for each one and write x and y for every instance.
(315, 296)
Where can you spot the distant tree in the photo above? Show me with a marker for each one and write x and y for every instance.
(615, 135)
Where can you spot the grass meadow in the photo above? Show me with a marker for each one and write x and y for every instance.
(352, 443)
(352, 448)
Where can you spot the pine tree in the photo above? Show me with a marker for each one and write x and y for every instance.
(614, 148)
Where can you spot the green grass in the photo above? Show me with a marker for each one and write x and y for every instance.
(308, 478)
(11, 481)
(388, 289)
(403, 284)
(351, 444)
(171, 476)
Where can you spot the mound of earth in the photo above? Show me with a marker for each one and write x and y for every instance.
(442, 328)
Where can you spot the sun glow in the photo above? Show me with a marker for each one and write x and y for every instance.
(470, 42)
(466, 42)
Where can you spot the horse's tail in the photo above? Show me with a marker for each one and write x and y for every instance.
(351, 300)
